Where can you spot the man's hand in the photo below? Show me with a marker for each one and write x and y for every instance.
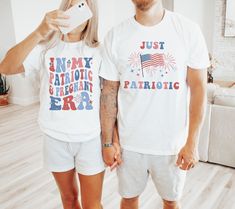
(187, 157)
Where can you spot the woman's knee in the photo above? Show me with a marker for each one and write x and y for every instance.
(92, 205)
(70, 198)
(130, 201)
(170, 204)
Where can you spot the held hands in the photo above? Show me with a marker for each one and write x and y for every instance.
(112, 156)
(187, 157)
(51, 23)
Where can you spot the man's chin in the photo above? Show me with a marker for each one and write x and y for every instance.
(144, 6)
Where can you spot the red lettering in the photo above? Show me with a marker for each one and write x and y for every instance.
(68, 103)
(126, 84)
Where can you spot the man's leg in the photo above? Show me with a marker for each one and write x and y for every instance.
(168, 179)
(130, 203)
(132, 178)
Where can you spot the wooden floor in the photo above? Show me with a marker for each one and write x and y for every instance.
(24, 184)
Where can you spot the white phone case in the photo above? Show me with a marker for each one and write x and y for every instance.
(78, 14)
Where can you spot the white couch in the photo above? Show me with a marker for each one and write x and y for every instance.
(217, 138)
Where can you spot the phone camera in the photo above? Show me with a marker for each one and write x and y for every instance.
(82, 4)
(79, 6)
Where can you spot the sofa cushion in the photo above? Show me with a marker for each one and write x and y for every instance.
(225, 97)
(204, 135)
(222, 132)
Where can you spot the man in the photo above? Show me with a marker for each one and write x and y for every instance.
(151, 63)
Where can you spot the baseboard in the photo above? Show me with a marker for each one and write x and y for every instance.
(24, 101)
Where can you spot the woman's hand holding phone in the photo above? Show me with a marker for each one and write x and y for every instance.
(51, 23)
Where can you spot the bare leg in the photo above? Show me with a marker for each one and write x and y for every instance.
(91, 190)
(130, 203)
(67, 184)
(170, 204)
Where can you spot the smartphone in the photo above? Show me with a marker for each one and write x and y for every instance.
(78, 14)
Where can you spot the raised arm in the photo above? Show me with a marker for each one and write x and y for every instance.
(13, 61)
(196, 79)
(109, 110)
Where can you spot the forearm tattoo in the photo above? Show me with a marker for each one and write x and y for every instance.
(108, 109)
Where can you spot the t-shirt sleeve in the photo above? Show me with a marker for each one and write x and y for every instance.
(32, 63)
(198, 57)
(108, 69)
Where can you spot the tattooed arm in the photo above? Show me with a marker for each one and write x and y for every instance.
(109, 108)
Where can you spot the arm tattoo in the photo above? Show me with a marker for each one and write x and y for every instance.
(108, 109)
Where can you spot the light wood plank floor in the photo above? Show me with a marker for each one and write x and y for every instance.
(24, 184)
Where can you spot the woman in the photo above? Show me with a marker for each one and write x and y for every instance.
(69, 101)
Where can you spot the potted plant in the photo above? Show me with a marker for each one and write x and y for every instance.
(4, 89)
(211, 69)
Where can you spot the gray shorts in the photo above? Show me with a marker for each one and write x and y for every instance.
(133, 175)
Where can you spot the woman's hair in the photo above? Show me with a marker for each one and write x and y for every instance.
(89, 34)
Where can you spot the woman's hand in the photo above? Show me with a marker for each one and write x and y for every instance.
(112, 156)
(109, 155)
(51, 22)
(117, 156)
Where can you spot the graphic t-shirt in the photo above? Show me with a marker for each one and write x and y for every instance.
(69, 90)
(151, 65)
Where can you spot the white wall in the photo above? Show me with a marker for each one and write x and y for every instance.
(106, 17)
(210, 15)
(200, 11)
(224, 47)
(112, 12)
(7, 37)
(28, 14)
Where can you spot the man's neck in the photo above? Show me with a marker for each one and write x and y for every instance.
(151, 17)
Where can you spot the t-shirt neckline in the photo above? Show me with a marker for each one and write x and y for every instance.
(71, 44)
(156, 26)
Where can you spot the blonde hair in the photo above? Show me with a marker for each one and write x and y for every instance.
(89, 34)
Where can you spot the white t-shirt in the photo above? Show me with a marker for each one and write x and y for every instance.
(69, 90)
(151, 65)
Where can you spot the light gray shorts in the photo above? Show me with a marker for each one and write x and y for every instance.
(134, 172)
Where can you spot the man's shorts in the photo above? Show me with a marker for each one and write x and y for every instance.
(85, 157)
(134, 172)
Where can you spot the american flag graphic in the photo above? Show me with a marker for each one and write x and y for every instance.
(152, 60)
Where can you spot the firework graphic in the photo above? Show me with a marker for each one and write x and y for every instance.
(169, 62)
(78, 98)
(134, 61)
